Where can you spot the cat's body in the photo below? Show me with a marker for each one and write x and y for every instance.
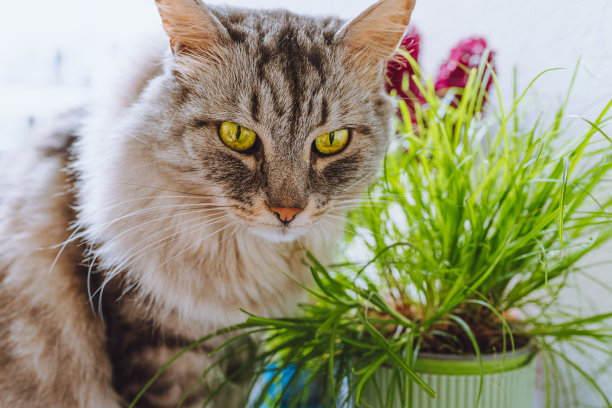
(167, 231)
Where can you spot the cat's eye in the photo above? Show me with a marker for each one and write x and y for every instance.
(237, 137)
(332, 142)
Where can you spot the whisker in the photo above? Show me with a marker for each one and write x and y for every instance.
(89, 272)
(155, 197)
(176, 235)
(219, 245)
(363, 203)
(154, 245)
(367, 194)
(104, 226)
(343, 219)
(358, 181)
(169, 206)
(160, 219)
(176, 214)
(349, 207)
(61, 251)
(366, 200)
(167, 189)
(167, 131)
(199, 242)
(336, 226)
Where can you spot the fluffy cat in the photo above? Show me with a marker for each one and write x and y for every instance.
(186, 196)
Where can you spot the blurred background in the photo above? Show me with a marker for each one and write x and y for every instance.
(55, 55)
(58, 55)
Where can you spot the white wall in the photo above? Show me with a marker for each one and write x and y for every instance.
(90, 35)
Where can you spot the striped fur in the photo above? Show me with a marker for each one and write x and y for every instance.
(161, 227)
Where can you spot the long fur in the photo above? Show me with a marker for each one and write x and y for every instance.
(161, 227)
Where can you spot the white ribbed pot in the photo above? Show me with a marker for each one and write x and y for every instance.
(507, 382)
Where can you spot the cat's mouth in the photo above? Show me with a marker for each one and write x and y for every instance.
(278, 233)
(275, 228)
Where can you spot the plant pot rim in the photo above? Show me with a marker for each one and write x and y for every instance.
(453, 364)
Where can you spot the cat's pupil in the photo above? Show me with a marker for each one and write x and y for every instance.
(331, 138)
(238, 132)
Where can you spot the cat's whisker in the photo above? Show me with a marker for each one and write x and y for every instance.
(299, 241)
(167, 130)
(196, 227)
(362, 179)
(156, 197)
(61, 251)
(177, 212)
(72, 238)
(132, 136)
(342, 209)
(103, 227)
(366, 195)
(154, 245)
(170, 190)
(162, 207)
(232, 233)
(140, 225)
(367, 200)
(353, 202)
(340, 216)
(364, 201)
(89, 272)
(328, 222)
(345, 206)
(356, 205)
(363, 198)
(150, 247)
(149, 209)
(199, 242)
(343, 219)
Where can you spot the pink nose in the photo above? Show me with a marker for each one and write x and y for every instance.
(286, 214)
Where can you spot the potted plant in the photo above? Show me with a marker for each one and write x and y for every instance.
(454, 263)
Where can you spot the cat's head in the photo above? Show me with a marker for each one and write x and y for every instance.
(282, 117)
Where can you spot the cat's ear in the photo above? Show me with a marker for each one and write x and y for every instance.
(190, 26)
(375, 34)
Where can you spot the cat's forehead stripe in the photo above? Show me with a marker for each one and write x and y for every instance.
(297, 74)
(255, 106)
(324, 112)
(290, 56)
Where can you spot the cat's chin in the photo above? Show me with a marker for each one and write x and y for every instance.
(276, 235)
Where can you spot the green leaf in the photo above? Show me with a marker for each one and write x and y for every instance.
(395, 357)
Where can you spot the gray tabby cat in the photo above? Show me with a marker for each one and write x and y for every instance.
(187, 196)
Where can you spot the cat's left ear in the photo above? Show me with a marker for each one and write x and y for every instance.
(374, 35)
(191, 26)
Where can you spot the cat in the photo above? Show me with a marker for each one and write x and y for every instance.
(130, 231)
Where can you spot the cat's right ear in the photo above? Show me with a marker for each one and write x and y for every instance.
(373, 36)
(192, 28)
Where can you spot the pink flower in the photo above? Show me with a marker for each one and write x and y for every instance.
(399, 68)
(454, 73)
(465, 56)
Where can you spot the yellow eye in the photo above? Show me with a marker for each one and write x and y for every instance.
(333, 142)
(237, 137)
